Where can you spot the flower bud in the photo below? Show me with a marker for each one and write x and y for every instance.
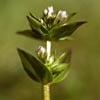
(62, 14)
(41, 50)
(45, 11)
(41, 53)
(49, 11)
(60, 17)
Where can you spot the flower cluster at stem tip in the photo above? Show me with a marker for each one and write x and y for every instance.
(51, 26)
(52, 18)
(50, 12)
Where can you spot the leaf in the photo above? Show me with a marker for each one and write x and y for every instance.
(63, 58)
(60, 67)
(30, 33)
(34, 17)
(34, 35)
(70, 16)
(61, 70)
(64, 30)
(59, 59)
(67, 58)
(34, 68)
(37, 26)
(61, 74)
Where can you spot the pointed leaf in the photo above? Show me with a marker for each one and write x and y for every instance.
(59, 59)
(71, 15)
(34, 68)
(64, 30)
(63, 58)
(60, 67)
(61, 75)
(67, 57)
(35, 17)
(30, 33)
(37, 26)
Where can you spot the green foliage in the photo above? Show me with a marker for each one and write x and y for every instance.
(52, 27)
(43, 72)
(60, 67)
(34, 68)
(60, 72)
(61, 32)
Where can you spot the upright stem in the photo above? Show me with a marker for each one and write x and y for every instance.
(46, 88)
(46, 92)
(48, 49)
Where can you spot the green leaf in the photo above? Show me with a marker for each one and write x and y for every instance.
(34, 34)
(59, 59)
(67, 58)
(64, 30)
(35, 17)
(31, 34)
(70, 16)
(37, 26)
(60, 67)
(61, 71)
(63, 58)
(34, 68)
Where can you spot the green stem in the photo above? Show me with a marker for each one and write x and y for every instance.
(46, 88)
(46, 92)
(48, 49)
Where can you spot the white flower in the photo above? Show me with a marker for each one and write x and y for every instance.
(41, 50)
(45, 11)
(49, 11)
(62, 14)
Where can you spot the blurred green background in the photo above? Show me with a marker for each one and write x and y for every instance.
(83, 81)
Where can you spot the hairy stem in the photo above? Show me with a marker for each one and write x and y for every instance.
(46, 88)
(46, 92)
(48, 49)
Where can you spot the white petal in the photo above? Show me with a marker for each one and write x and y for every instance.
(64, 14)
(50, 9)
(45, 11)
(41, 50)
